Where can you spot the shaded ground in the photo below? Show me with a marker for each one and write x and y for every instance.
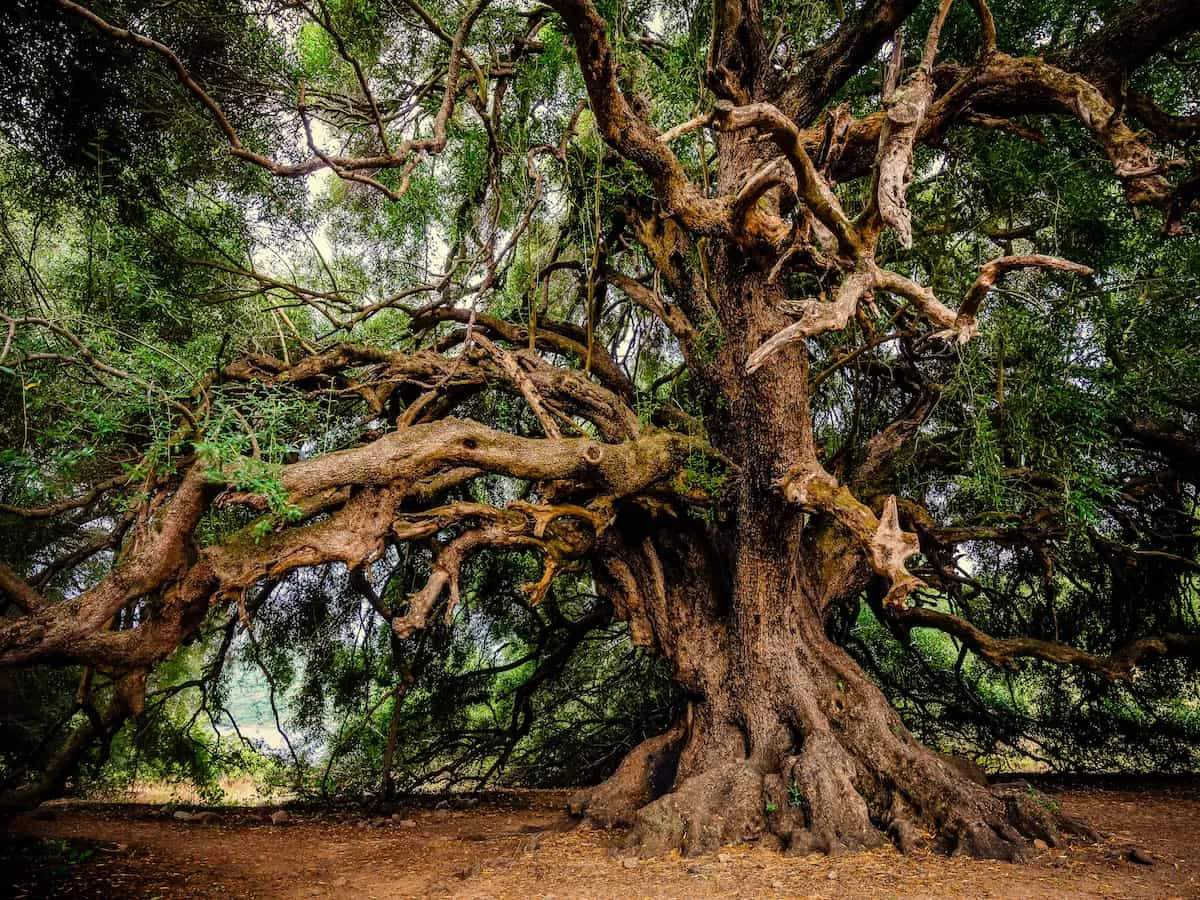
(521, 845)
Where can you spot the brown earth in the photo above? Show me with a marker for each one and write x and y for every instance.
(522, 845)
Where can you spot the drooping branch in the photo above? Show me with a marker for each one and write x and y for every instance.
(528, 390)
(672, 316)
(127, 699)
(1003, 652)
(157, 554)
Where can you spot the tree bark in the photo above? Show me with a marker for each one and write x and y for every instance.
(786, 741)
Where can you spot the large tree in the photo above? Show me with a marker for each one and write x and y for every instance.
(786, 334)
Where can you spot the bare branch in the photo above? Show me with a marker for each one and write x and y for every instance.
(968, 312)
(57, 508)
(818, 318)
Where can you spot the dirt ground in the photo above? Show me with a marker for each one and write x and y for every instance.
(521, 845)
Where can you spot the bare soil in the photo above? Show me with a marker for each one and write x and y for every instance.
(522, 845)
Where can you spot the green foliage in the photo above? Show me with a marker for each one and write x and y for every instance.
(1063, 719)
(707, 475)
(796, 798)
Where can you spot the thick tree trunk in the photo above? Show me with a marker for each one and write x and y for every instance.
(786, 740)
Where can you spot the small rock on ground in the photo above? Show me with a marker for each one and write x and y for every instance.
(531, 843)
(203, 818)
(280, 817)
(470, 871)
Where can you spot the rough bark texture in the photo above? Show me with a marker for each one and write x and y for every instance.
(786, 741)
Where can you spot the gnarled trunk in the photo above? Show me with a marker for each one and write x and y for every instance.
(786, 741)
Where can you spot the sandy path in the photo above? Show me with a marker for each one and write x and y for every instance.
(502, 850)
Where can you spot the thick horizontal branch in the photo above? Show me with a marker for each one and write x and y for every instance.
(409, 455)
(1180, 447)
(361, 491)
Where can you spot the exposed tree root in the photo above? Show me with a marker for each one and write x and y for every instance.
(821, 800)
(823, 810)
(723, 805)
(647, 772)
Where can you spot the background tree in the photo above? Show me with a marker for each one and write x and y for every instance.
(660, 296)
